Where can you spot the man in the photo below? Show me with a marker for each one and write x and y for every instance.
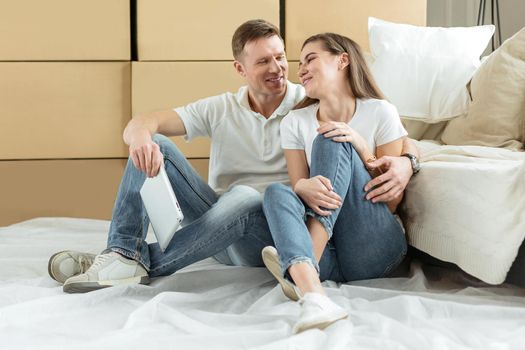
(223, 219)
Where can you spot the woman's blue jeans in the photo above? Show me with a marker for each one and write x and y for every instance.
(231, 227)
(366, 241)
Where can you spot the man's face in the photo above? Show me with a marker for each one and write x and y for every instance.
(263, 63)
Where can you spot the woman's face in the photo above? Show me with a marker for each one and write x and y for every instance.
(319, 71)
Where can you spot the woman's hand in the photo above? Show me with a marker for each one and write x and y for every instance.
(338, 131)
(341, 132)
(318, 192)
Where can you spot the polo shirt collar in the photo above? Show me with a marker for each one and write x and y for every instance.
(286, 105)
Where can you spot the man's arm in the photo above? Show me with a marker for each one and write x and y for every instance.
(397, 172)
(138, 134)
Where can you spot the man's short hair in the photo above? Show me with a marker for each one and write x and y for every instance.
(249, 31)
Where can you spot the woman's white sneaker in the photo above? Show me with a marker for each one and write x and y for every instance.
(318, 311)
(107, 270)
(271, 260)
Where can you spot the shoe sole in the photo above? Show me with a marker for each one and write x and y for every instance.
(50, 270)
(274, 266)
(319, 325)
(49, 263)
(84, 287)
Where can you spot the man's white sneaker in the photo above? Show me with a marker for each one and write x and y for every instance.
(107, 270)
(271, 260)
(68, 263)
(318, 311)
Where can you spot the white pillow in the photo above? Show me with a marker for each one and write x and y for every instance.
(423, 71)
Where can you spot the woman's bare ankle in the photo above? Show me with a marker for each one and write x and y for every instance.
(305, 278)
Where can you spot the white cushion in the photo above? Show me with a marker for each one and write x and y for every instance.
(496, 117)
(423, 71)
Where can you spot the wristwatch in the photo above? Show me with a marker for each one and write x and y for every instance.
(413, 161)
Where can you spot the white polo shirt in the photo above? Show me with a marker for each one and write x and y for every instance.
(245, 146)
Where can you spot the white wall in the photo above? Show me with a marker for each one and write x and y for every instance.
(459, 13)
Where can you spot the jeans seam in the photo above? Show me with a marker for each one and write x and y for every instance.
(323, 220)
(255, 236)
(199, 247)
(186, 178)
(126, 194)
(394, 263)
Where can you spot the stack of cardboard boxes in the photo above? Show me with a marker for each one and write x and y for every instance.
(65, 98)
(68, 88)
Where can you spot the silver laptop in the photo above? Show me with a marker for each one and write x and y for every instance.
(162, 207)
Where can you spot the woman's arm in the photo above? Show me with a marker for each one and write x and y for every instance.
(316, 192)
(297, 165)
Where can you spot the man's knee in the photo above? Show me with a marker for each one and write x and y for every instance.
(163, 141)
(244, 197)
(166, 146)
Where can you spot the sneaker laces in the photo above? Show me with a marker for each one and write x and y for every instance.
(85, 263)
(100, 259)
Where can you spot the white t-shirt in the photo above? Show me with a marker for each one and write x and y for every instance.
(377, 121)
(245, 146)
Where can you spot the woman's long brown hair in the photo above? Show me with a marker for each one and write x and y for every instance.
(359, 76)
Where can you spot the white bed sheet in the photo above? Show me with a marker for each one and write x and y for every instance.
(211, 306)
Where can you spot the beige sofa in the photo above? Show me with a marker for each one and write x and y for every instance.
(467, 205)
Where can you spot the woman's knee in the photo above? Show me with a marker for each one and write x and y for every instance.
(321, 141)
(246, 195)
(277, 192)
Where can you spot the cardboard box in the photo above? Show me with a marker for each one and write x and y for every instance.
(170, 30)
(65, 30)
(166, 85)
(293, 72)
(67, 188)
(64, 109)
(346, 17)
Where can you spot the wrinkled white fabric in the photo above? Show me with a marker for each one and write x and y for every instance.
(467, 206)
(212, 306)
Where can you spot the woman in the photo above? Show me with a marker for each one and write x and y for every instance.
(343, 123)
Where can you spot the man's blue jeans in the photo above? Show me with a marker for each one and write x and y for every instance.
(231, 227)
(366, 241)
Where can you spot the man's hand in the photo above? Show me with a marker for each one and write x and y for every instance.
(318, 192)
(397, 171)
(146, 155)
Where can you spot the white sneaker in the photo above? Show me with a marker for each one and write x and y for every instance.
(318, 311)
(271, 260)
(107, 270)
(68, 263)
